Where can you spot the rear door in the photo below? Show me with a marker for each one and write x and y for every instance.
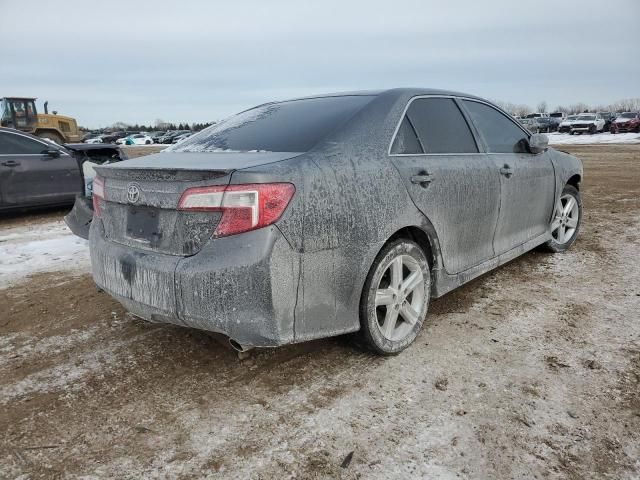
(527, 180)
(449, 179)
(28, 176)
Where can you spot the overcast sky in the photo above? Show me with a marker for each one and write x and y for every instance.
(187, 60)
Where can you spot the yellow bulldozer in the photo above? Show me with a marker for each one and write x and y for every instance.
(20, 113)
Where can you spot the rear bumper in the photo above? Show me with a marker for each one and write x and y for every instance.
(79, 218)
(243, 286)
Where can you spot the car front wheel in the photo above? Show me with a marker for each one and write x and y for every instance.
(395, 297)
(565, 223)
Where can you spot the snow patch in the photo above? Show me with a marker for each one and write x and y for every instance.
(586, 139)
(48, 247)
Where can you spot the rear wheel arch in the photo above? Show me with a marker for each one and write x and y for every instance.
(422, 238)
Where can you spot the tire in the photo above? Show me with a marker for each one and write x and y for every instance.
(572, 132)
(592, 129)
(391, 318)
(565, 227)
(148, 142)
(52, 136)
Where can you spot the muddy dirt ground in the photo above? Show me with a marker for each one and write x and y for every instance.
(532, 371)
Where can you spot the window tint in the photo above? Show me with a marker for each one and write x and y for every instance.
(293, 126)
(10, 143)
(440, 126)
(406, 140)
(501, 134)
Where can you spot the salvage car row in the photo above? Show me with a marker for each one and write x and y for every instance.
(138, 138)
(582, 123)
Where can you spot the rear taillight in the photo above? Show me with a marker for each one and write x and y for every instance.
(97, 194)
(244, 207)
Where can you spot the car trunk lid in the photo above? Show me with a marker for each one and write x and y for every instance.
(140, 208)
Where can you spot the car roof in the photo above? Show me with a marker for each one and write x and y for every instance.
(392, 92)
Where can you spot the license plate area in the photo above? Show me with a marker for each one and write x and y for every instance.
(143, 223)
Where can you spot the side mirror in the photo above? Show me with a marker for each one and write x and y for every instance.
(52, 152)
(538, 143)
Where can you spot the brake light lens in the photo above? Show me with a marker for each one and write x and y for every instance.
(97, 194)
(244, 207)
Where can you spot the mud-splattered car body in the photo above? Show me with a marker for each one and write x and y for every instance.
(301, 277)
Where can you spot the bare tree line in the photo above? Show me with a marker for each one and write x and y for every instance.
(624, 105)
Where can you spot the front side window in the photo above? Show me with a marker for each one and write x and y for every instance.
(12, 144)
(291, 126)
(499, 132)
(439, 125)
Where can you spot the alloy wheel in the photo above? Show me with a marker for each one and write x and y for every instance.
(565, 219)
(400, 297)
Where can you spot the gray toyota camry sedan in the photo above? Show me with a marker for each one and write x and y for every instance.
(331, 214)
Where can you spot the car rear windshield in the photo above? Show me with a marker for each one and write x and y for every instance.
(586, 117)
(292, 126)
(628, 115)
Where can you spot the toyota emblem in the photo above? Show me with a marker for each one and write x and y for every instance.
(133, 192)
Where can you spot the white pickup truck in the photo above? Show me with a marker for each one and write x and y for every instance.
(587, 123)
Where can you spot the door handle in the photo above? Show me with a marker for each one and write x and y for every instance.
(10, 163)
(507, 171)
(424, 179)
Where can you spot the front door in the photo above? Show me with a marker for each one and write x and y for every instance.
(450, 181)
(527, 180)
(30, 177)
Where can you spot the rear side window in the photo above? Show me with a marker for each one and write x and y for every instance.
(293, 126)
(13, 144)
(440, 126)
(501, 134)
(406, 141)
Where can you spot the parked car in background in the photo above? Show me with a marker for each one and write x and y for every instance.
(536, 115)
(587, 123)
(626, 122)
(557, 118)
(37, 173)
(171, 134)
(181, 137)
(90, 136)
(608, 118)
(136, 139)
(565, 125)
(527, 123)
(247, 228)
(113, 136)
(155, 136)
(94, 140)
(543, 125)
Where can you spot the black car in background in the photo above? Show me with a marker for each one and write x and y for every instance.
(37, 173)
(171, 135)
(608, 117)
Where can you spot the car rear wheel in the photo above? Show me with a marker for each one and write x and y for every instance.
(565, 223)
(395, 297)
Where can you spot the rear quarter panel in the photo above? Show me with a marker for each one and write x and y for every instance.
(349, 200)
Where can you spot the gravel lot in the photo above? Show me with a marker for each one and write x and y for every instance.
(531, 371)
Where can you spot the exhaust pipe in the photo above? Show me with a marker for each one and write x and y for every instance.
(239, 347)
